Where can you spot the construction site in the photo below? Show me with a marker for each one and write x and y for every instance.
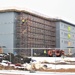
(31, 42)
(31, 30)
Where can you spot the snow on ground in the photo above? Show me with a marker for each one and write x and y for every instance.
(55, 59)
(13, 72)
(59, 66)
(52, 59)
(41, 59)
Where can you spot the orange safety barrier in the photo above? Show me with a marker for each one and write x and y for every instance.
(50, 53)
(62, 52)
(58, 53)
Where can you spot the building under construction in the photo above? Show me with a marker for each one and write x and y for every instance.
(21, 30)
(28, 30)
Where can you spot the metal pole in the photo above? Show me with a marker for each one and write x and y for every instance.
(10, 57)
(31, 71)
(31, 52)
(55, 61)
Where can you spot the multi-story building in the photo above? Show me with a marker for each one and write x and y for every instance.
(23, 29)
(65, 36)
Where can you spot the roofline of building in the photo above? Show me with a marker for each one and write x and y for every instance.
(28, 12)
(60, 20)
(36, 14)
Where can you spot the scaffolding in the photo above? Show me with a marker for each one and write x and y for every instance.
(34, 32)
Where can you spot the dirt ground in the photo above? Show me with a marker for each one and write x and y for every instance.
(57, 70)
(7, 67)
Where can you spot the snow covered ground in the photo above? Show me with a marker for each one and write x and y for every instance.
(41, 59)
(13, 72)
(56, 59)
(52, 59)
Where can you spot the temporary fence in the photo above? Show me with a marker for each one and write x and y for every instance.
(42, 52)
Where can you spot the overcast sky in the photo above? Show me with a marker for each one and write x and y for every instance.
(63, 9)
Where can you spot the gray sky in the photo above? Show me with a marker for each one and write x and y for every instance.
(63, 9)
